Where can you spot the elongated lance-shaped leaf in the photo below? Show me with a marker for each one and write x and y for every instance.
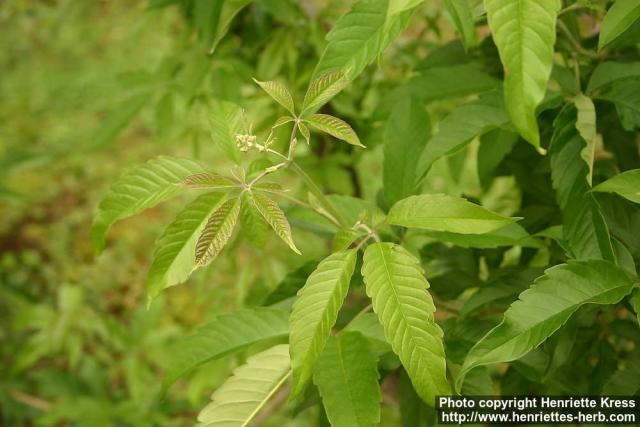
(586, 126)
(460, 127)
(208, 181)
(140, 189)
(225, 334)
(315, 312)
(274, 216)
(618, 19)
(626, 184)
(253, 225)
(217, 232)
(347, 377)
(335, 127)
(395, 282)
(607, 73)
(460, 11)
(405, 136)
(279, 93)
(440, 212)
(174, 255)
(525, 32)
(545, 307)
(362, 34)
(322, 89)
(225, 121)
(584, 227)
(304, 131)
(241, 397)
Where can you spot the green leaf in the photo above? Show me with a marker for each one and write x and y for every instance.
(274, 216)
(618, 19)
(460, 11)
(607, 73)
(230, 8)
(224, 335)
(586, 126)
(304, 131)
(405, 136)
(253, 225)
(437, 83)
(360, 35)
(369, 326)
(164, 116)
(279, 93)
(626, 381)
(346, 374)
(291, 284)
(494, 147)
(545, 307)
(225, 120)
(635, 303)
(241, 397)
(335, 127)
(140, 189)
(509, 235)
(440, 212)
(118, 119)
(315, 312)
(584, 227)
(208, 181)
(460, 127)
(282, 120)
(217, 232)
(396, 285)
(322, 89)
(525, 32)
(626, 184)
(345, 237)
(625, 94)
(174, 254)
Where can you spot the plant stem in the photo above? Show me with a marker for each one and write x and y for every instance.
(575, 43)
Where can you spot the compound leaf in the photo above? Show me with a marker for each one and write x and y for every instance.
(315, 312)
(545, 307)
(335, 127)
(217, 232)
(274, 216)
(525, 32)
(174, 254)
(226, 334)
(140, 189)
(346, 374)
(242, 396)
(440, 212)
(395, 282)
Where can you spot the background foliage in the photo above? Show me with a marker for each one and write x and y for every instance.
(90, 89)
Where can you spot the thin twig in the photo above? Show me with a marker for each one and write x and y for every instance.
(32, 401)
(575, 43)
